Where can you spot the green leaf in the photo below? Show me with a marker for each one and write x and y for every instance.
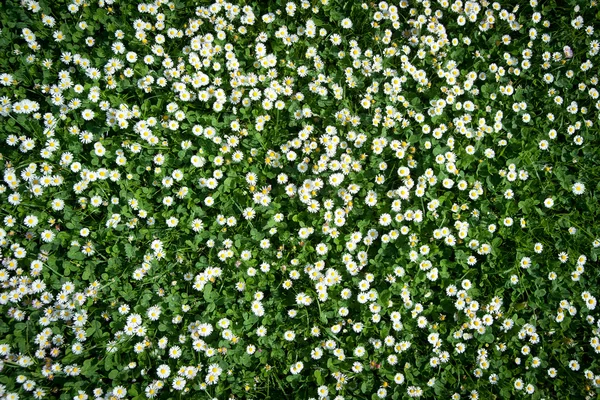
(88, 368)
(487, 338)
(75, 254)
(364, 387)
(108, 362)
(208, 291)
(133, 391)
(86, 274)
(130, 251)
(319, 377)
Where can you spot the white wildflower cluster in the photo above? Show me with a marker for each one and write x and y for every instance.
(298, 197)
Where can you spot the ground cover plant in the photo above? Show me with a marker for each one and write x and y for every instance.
(308, 199)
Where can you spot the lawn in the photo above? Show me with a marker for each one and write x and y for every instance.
(313, 199)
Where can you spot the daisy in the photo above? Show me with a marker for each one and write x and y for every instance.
(346, 23)
(578, 188)
(518, 384)
(178, 383)
(175, 352)
(321, 249)
(87, 114)
(172, 222)
(31, 221)
(14, 199)
(574, 365)
(47, 236)
(563, 257)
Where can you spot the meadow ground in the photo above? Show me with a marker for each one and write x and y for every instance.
(313, 199)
